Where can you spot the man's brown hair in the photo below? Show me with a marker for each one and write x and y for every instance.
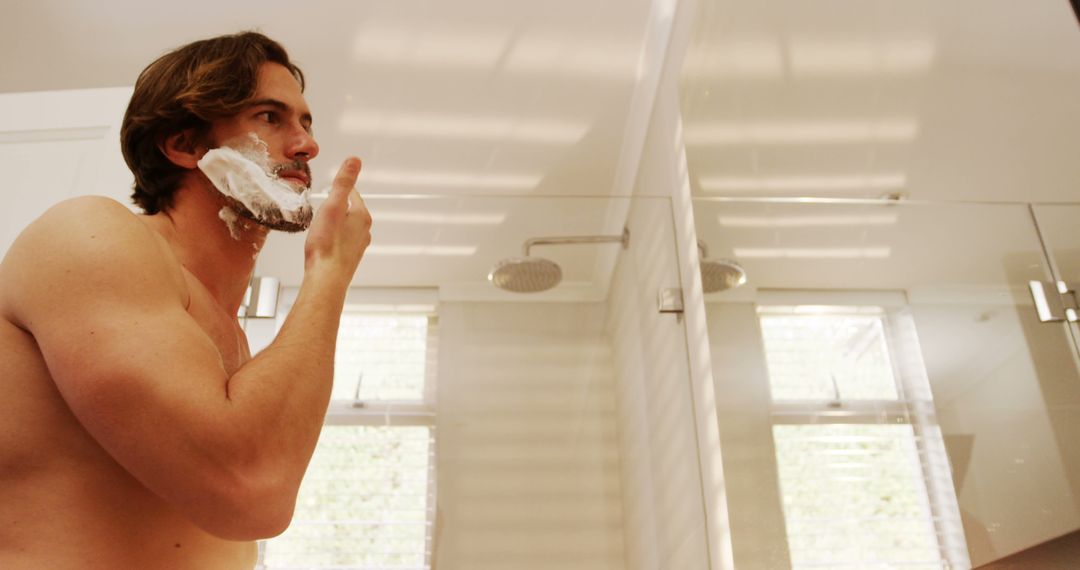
(187, 89)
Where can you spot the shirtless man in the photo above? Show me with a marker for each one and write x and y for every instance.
(136, 430)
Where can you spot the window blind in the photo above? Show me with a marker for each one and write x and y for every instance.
(863, 473)
(367, 499)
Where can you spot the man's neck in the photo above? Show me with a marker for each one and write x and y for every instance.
(220, 255)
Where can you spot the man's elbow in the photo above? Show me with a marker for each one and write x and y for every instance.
(249, 512)
(255, 524)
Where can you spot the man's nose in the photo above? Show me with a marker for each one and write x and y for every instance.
(303, 146)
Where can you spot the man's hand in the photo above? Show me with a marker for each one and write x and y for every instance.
(341, 230)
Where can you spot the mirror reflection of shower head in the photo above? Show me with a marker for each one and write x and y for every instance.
(534, 274)
(719, 274)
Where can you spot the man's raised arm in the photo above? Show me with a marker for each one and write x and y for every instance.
(108, 306)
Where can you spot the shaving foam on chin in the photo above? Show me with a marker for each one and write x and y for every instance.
(232, 221)
(242, 170)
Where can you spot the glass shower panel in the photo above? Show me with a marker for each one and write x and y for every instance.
(1059, 226)
(560, 422)
(965, 458)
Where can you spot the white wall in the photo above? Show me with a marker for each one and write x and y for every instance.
(57, 145)
(661, 170)
(527, 448)
(672, 474)
(662, 487)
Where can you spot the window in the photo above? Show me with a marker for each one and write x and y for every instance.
(864, 478)
(367, 500)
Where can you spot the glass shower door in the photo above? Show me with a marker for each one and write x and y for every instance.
(887, 393)
(478, 428)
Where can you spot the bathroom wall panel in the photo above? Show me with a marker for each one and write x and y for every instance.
(662, 486)
(527, 448)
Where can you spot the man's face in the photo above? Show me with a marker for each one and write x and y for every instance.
(280, 119)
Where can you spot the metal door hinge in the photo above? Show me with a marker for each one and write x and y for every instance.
(671, 301)
(1055, 302)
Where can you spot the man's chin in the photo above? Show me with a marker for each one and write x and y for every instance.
(274, 219)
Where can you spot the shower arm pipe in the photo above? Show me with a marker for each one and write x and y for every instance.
(624, 239)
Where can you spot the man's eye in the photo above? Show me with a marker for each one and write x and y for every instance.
(268, 116)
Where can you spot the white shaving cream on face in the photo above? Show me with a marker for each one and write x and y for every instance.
(243, 171)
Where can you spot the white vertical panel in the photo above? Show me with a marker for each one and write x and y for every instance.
(56, 145)
(660, 456)
(758, 535)
(677, 350)
(528, 472)
(38, 175)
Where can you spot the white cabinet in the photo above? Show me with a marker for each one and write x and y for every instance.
(55, 145)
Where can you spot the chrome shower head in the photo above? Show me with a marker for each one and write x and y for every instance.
(534, 274)
(719, 274)
(525, 274)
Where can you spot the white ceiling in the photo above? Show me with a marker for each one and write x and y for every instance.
(958, 101)
(478, 96)
(488, 98)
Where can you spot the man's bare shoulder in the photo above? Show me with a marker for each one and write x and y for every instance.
(71, 222)
(84, 246)
(84, 212)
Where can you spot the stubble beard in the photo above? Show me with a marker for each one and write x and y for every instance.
(274, 218)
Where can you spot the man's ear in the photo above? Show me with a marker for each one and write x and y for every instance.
(182, 149)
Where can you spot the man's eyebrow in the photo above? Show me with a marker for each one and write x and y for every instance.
(281, 106)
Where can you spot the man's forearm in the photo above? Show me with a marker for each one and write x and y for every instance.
(277, 401)
(281, 395)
